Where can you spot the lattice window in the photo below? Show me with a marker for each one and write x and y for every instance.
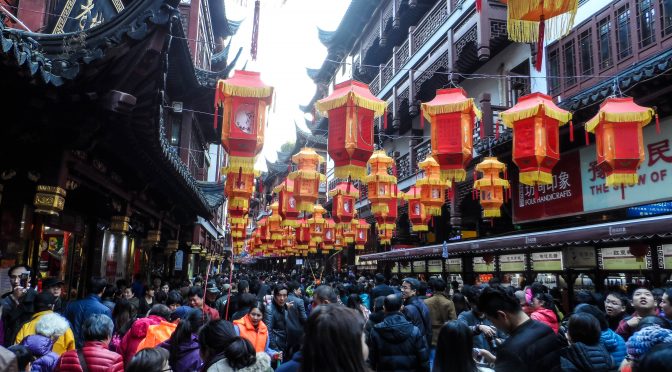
(569, 55)
(498, 29)
(604, 43)
(666, 16)
(402, 54)
(623, 32)
(554, 71)
(646, 22)
(586, 52)
(386, 73)
(429, 25)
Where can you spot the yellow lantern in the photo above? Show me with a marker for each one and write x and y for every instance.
(316, 224)
(362, 228)
(312, 247)
(287, 205)
(380, 183)
(491, 186)
(307, 178)
(348, 232)
(416, 210)
(432, 188)
(275, 223)
(329, 234)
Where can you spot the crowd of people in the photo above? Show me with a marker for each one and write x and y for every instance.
(270, 321)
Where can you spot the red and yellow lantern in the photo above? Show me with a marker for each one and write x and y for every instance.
(491, 186)
(362, 228)
(302, 235)
(329, 234)
(348, 231)
(351, 109)
(380, 183)
(416, 210)
(275, 223)
(619, 139)
(343, 206)
(316, 224)
(432, 188)
(535, 120)
(307, 178)
(287, 204)
(452, 116)
(387, 222)
(245, 100)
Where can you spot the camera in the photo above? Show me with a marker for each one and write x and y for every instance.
(25, 279)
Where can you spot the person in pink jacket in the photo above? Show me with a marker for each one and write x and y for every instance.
(543, 311)
(158, 315)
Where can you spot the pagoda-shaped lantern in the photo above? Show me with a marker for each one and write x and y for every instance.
(416, 210)
(264, 232)
(351, 109)
(619, 139)
(535, 120)
(348, 231)
(287, 205)
(380, 183)
(245, 100)
(239, 187)
(432, 188)
(491, 186)
(338, 241)
(343, 206)
(533, 21)
(387, 222)
(307, 178)
(302, 235)
(329, 234)
(362, 228)
(316, 224)
(451, 115)
(275, 222)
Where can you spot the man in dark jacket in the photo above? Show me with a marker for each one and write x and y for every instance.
(415, 309)
(17, 305)
(381, 289)
(396, 344)
(78, 311)
(234, 302)
(294, 296)
(531, 346)
(284, 326)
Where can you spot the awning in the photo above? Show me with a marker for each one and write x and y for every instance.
(636, 229)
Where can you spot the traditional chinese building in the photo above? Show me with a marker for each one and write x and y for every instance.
(107, 164)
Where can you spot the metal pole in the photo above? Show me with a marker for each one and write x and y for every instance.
(10, 15)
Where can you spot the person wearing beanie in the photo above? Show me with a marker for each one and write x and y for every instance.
(642, 341)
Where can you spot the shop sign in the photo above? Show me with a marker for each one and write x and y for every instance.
(619, 258)
(434, 266)
(405, 268)
(546, 261)
(419, 267)
(454, 265)
(480, 266)
(512, 262)
(179, 260)
(579, 257)
(667, 254)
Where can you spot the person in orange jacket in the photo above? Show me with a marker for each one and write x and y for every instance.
(252, 328)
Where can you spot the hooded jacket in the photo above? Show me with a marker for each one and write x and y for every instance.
(398, 345)
(187, 357)
(40, 346)
(546, 316)
(579, 357)
(614, 344)
(64, 343)
(139, 330)
(262, 364)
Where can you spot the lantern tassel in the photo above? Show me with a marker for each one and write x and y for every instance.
(571, 131)
(497, 131)
(255, 30)
(482, 127)
(385, 120)
(657, 124)
(622, 191)
(479, 6)
(540, 44)
(587, 139)
(422, 120)
(215, 124)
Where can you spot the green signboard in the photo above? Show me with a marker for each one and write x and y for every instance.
(619, 258)
(419, 266)
(547, 261)
(481, 267)
(512, 262)
(454, 265)
(434, 266)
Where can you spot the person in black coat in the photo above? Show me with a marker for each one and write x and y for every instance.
(415, 309)
(283, 322)
(381, 289)
(585, 353)
(395, 343)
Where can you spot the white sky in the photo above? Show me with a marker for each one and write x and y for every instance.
(288, 43)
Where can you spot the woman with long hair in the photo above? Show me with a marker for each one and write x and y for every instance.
(544, 311)
(123, 317)
(150, 360)
(183, 343)
(252, 328)
(455, 350)
(223, 350)
(355, 303)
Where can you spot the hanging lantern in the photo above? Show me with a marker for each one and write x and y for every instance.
(416, 210)
(351, 109)
(619, 139)
(302, 235)
(316, 224)
(348, 232)
(639, 250)
(387, 222)
(312, 247)
(288, 240)
(264, 232)
(343, 206)
(491, 186)
(362, 228)
(239, 188)
(329, 234)
(338, 241)
(432, 188)
(452, 116)
(245, 100)
(533, 21)
(275, 223)
(287, 205)
(380, 183)
(307, 178)
(535, 120)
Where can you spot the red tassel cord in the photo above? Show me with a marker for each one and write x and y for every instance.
(540, 45)
(497, 130)
(240, 177)
(385, 120)
(571, 131)
(657, 124)
(482, 128)
(215, 114)
(422, 120)
(255, 30)
(587, 139)
(479, 6)
(622, 192)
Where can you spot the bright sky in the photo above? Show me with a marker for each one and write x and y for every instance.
(288, 43)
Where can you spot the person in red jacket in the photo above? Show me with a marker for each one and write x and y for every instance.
(196, 301)
(97, 332)
(157, 320)
(543, 311)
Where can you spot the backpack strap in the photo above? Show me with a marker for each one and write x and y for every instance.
(82, 360)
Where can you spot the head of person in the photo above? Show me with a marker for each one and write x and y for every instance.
(644, 340)
(149, 291)
(615, 304)
(127, 293)
(97, 327)
(594, 311)
(323, 295)
(651, 321)
(657, 295)
(659, 358)
(501, 308)
(584, 328)
(218, 339)
(294, 288)
(247, 300)
(336, 340)
(160, 310)
(454, 348)
(97, 285)
(392, 303)
(472, 294)
(53, 286)
(666, 303)
(109, 293)
(174, 300)
(380, 278)
(255, 312)
(243, 286)
(24, 358)
(149, 360)
(19, 275)
(52, 326)
(542, 300)
(438, 285)
(44, 301)
(212, 292)
(188, 326)
(280, 292)
(122, 313)
(409, 288)
(165, 287)
(195, 296)
(643, 301)
(379, 304)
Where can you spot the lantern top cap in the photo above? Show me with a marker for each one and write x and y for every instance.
(490, 162)
(532, 105)
(318, 209)
(620, 110)
(244, 84)
(380, 157)
(342, 188)
(307, 153)
(428, 163)
(354, 91)
(450, 100)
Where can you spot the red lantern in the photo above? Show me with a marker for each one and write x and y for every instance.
(275, 223)
(619, 139)
(245, 100)
(287, 204)
(307, 178)
(452, 116)
(535, 120)
(380, 183)
(343, 205)
(316, 224)
(491, 186)
(302, 235)
(329, 235)
(387, 222)
(351, 109)
(416, 210)
(432, 188)
(361, 238)
(639, 250)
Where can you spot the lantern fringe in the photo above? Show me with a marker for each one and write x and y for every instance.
(492, 213)
(237, 220)
(359, 247)
(243, 91)
(642, 117)
(290, 223)
(526, 31)
(306, 206)
(536, 178)
(238, 203)
(380, 208)
(281, 187)
(433, 210)
(433, 182)
(617, 179)
(244, 162)
(419, 228)
(386, 226)
(316, 239)
(468, 104)
(355, 172)
(307, 175)
(380, 178)
(485, 182)
(456, 175)
(378, 106)
(349, 239)
(508, 118)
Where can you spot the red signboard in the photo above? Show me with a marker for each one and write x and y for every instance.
(562, 198)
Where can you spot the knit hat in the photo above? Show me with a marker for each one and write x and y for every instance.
(642, 341)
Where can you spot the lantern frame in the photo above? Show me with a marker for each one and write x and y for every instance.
(432, 188)
(491, 186)
(307, 178)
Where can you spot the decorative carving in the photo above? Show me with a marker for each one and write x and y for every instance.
(469, 36)
(387, 73)
(153, 236)
(71, 184)
(429, 25)
(99, 166)
(498, 29)
(402, 54)
(34, 176)
(403, 95)
(429, 72)
(49, 200)
(8, 174)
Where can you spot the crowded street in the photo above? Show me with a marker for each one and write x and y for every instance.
(336, 185)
